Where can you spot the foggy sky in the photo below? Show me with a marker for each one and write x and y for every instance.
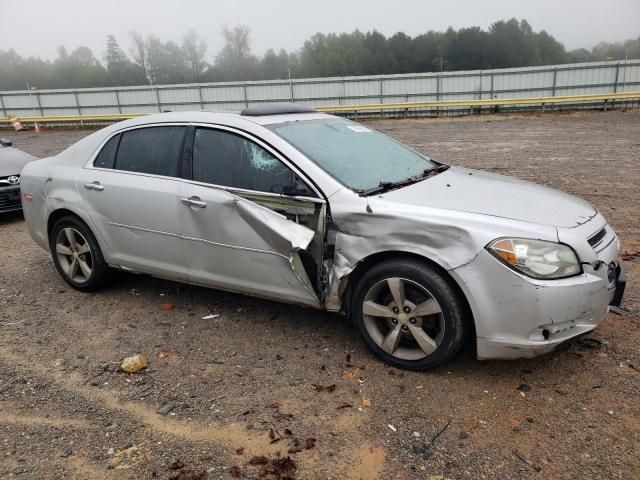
(37, 27)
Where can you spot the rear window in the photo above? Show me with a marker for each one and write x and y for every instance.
(107, 156)
(154, 150)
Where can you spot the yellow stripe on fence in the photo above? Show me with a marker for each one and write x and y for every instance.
(483, 103)
(377, 106)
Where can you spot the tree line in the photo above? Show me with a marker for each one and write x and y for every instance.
(149, 60)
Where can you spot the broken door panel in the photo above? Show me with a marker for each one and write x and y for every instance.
(235, 244)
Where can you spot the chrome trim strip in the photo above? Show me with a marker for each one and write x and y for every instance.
(193, 239)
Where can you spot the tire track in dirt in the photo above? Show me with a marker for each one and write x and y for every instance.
(364, 463)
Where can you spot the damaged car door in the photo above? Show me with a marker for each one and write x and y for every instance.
(250, 223)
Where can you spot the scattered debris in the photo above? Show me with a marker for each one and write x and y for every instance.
(258, 460)
(435, 437)
(211, 317)
(631, 256)
(295, 450)
(235, 471)
(324, 388)
(278, 469)
(310, 443)
(134, 364)
(274, 435)
(463, 435)
(177, 465)
(618, 310)
(561, 391)
(167, 353)
(393, 429)
(366, 401)
(350, 375)
(239, 450)
(344, 405)
(524, 387)
(66, 453)
(526, 460)
(165, 408)
(166, 307)
(189, 474)
(588, 342)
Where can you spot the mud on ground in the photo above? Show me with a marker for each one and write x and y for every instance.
(240, 385)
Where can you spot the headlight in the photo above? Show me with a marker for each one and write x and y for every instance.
(537, 258)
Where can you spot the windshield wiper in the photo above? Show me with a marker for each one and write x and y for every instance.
(384, 186)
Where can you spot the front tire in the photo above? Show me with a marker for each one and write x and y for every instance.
(409, 314)
(77, 256)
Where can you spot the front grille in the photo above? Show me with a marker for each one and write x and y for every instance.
(15, 180)
(595, 240)
(10, 199)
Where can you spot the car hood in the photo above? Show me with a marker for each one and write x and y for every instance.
(13, 160)
(473, 191)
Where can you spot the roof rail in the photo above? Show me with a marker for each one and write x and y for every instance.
(276, 109)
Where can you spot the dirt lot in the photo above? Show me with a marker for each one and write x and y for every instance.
(241, 385)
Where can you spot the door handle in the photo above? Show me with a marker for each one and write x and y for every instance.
(94, 186)
(193, 202)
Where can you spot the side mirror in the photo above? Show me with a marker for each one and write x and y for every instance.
(5, 142)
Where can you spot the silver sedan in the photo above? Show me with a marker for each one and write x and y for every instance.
(292, 205)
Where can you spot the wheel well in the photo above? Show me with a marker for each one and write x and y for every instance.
(57, 215)
(371, 260)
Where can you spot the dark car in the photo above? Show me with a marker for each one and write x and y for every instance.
(12, 161)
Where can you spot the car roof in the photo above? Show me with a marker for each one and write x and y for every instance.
(223, 118)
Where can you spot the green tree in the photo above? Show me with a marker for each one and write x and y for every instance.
(78, 69)
(120, 69)
(194, 48)
(236, 61)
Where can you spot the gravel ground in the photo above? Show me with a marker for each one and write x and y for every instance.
(241, 386)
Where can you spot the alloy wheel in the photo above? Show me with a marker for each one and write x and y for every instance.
(403, 318)
(74, 255)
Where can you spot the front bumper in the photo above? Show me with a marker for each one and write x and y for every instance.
(519, 317)
(10, 199)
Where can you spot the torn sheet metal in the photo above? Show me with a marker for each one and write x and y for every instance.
(450, 239)
(280, 232)
(363, 234)
(240, 245)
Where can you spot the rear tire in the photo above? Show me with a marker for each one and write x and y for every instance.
(77, 256)
(426, 331)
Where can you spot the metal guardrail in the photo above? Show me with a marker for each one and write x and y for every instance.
(373, 107)
(481, 103)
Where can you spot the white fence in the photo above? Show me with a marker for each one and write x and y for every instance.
(555, 80)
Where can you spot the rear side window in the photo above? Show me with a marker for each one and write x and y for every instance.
(223, 158)
(107, 156)
(154, 150)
